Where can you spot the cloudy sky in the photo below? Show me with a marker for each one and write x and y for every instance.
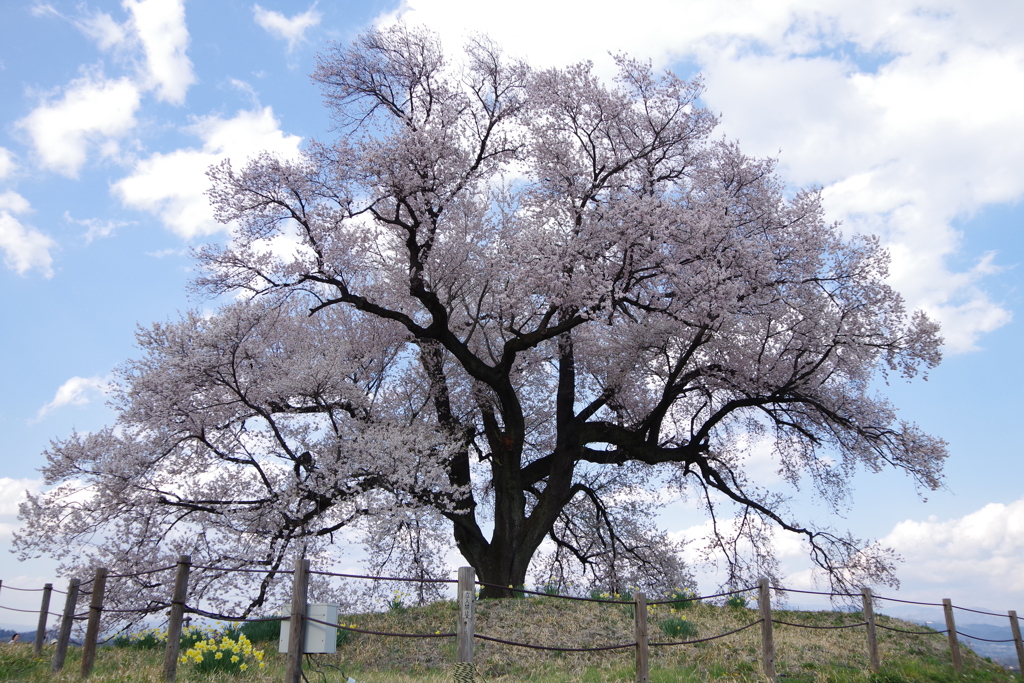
(909, 114)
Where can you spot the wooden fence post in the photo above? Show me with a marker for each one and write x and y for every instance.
(869, 617)
(297, 625)
(767, 639)
(954, 644)
(44, 612)
(174, 621)
(465, 670)
(1017, 643)
(640, 629)
(67, 619)
(92, 630)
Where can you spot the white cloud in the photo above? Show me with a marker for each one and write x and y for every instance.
(157, 29)
(12, 494)
(160, 26)
(173, 185)
(102, 28)
(291, 29)
(96, 227)
(93, 112)
(44, 9)
(77, 391)
(979, 554)
(7, 165)
(907, 113)
(24, 247)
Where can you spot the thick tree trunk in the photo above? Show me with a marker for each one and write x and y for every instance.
(504, 572)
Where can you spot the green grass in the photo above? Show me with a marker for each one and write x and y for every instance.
(802, 655)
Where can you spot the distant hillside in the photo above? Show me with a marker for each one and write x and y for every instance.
(1004, 653)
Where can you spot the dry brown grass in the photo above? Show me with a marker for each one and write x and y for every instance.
(803, 655)
(555, 622)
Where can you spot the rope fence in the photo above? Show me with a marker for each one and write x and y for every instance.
(465, 635)
(524, 591)
(709, 638)
(822, 628)
(600, 648)
(915, 633)
(384, 578)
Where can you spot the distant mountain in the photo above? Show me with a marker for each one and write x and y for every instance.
(25, 637)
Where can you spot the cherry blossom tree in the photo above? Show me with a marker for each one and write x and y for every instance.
(510, 309)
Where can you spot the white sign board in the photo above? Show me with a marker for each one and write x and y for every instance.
(320, 639)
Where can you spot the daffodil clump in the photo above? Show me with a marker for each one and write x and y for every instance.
(224, 654)
(147, 639)
(397, 602)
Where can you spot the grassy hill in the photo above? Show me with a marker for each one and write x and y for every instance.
(803, 655)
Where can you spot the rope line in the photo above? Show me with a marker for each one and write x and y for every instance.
(15, 609)
(781, 589)
(553, 649)
(227, 617)
(243, 570)
(23, 590)
(142, 573)
(978, 611)
(909, 602)
(709, 638)
(549, 595)
(823, 628)
(987, 640)
(383, 633)
(383, 578)
(140, 610)
(916, 633)
(702, 597)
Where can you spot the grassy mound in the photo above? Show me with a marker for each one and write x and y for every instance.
(802, 655)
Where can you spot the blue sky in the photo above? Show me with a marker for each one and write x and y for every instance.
(909, 114)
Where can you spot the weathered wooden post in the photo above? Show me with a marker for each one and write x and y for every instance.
(44, 612)
(869, 617)
(297, 625)
(1017, 643)
(92, 629)
(465, 669)
(174, 621)
(767, 639)
(640, 630)
(66, 620)
(954, 644)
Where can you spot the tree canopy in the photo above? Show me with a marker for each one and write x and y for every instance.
(508, 309)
